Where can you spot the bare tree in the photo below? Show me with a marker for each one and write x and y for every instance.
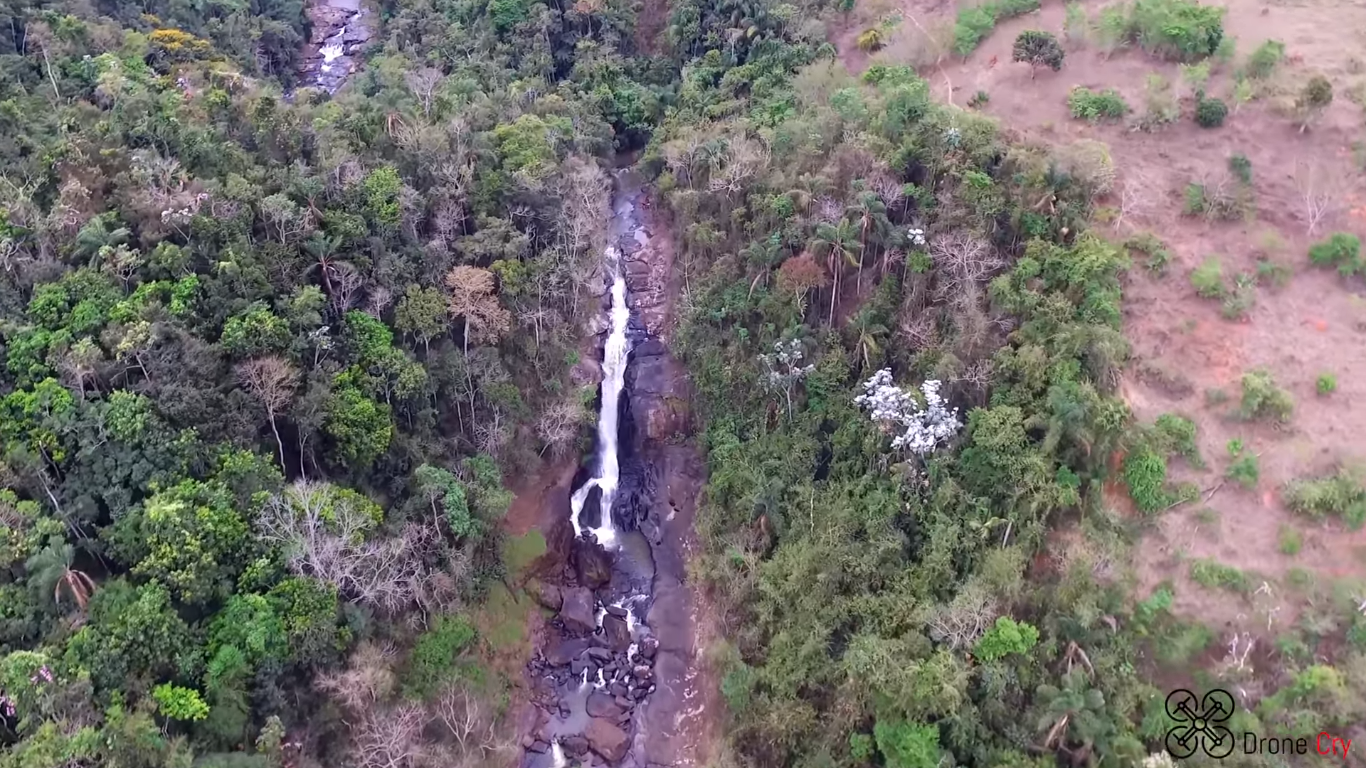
(1136, 194)
(272, 381)
(423, 83)
(391, 738)
(367, 680)
(1320, 194)
(346, 282)
(964, 262)
(962, 622)
(325, 534)
(559, 423)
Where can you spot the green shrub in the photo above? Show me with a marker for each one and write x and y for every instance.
(1210, 113)
(1160, 105)
(1208, 279)
(1004, 638)
(978, 99)
(1244, 468)
(1195, 202)
(1086, 104)
(1326, 384)
(1148, 243)
(1240, 301)
(974, 23)
(1263, 399)
(1340, 494)
(1216, 575)
(179, 703)
(436, 656)
(1181, 30)
(1176, 434)
(1341, 250)
(1038, 49)
(1240, 167)
(1290, 541)
(1314, 98)
(1274, 272)
(1145, 473)
(1264, 60)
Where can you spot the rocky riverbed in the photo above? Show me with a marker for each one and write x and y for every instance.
(340, 29)
(614, 673)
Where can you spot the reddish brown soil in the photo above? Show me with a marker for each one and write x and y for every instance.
(1182, 345)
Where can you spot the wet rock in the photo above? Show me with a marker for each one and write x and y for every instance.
(640, 693)
(577, 611)
(538, 746)
(596, 324)
(601, 654)
(607, 739)
(592, 563)
(602, 705)
(648, 646)
(565, 651)
(618, 689)
(586, 372)
(642, 672)
(623, 702)
(577, 667)
(618, 635)
(575, 746)
(547, 595)
(527, 741)
(615, 610)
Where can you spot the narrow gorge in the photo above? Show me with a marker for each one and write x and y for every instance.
(613, 676)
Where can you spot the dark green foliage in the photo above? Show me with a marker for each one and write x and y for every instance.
(1145, 473)
(437, 656)
(1264, 60)
(1006, 637)
(1341, 494)
(1210, 113)
(1095, 106)
(1181, 30)
(1038, 49)
(1341, 250)
(1262, 399)
(975, 22)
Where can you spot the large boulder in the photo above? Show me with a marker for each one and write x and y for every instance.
(564, 650)
(607, 739)
(592, 563)
(577, 612)
(618, 635)
(603, 705)
(547, 595)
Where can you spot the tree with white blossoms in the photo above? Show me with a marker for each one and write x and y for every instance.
(785, 369)
(918, 430)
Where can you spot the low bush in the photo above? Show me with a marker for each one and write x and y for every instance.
(436, 656)
(1210, 113)
(1313, 99)
(1181, 30)
(1094, 106)
(1216, 575)
(1208, 279)
(1150, 245)
(1326, 384)
(1263, 399)
(1145, 474)
(1290, 541)
(1340, 495)
(1240, 301)
(1263, 61)
(1341, 250)
(974, 23)
(1243, 467)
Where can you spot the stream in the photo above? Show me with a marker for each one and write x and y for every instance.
(611, 673)
(340, 29)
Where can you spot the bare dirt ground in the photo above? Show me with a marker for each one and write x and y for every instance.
(1183, 347)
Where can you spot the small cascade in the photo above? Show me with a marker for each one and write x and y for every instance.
(557, 754)
(615, 354)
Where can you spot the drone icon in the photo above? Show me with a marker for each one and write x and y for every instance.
(1199, 723)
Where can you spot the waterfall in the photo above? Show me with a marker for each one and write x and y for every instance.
(614, 354)
(557, 754)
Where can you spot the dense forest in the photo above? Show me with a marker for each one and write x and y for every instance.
(270, 354)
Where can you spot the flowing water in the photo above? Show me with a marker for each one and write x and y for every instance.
(607, 470)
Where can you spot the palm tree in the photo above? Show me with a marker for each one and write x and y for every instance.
(871, 214)
(323, 248)
(870, 335)
(1073, 713)
(838, 241)
(763, 254)
(51, 569)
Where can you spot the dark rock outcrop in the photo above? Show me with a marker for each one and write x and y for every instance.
(618, 635)
(603, 705)
(577, 612)
(607, 739)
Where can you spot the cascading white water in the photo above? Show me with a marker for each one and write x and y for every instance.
(332, 50)
(614, 354)
(557, 754)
